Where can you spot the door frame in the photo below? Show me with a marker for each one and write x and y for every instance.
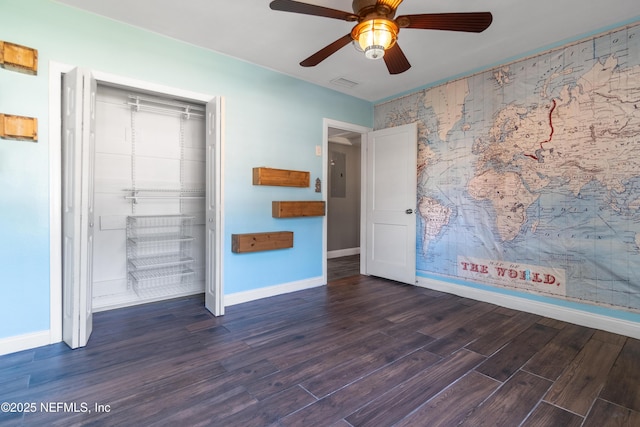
(56, 70)
(362, 130)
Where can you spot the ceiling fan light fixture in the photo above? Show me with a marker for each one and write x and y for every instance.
(375, 51)
(375, 36)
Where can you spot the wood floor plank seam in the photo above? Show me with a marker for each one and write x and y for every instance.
(573, 412)
(310, 393)
(543, 394)
(514, 374)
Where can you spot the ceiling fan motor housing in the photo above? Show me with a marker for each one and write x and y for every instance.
(367, 9)
(359, 5)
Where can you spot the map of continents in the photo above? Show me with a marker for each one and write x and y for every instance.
(529, 174)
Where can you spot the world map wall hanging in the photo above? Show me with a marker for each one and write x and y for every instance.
(529, 173)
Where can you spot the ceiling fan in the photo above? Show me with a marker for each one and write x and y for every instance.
(376, 31)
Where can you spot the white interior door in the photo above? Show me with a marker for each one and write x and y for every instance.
(391, 203)
(78, 140)
(213, 284)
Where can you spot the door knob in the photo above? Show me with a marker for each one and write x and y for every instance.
(409, 211)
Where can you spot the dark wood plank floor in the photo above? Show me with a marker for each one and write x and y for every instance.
(345, 266)
(359, 352)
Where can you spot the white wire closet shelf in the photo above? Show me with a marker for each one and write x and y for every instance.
(161, 277)
(159, 252)
(163, 280)
(172, 290)
(160, 105)
(158, 261)
(160, 238)
(163, 193)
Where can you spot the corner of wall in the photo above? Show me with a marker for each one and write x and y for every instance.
(284, 288)
(24, 342)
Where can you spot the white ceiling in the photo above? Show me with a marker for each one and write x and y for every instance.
(249, 30)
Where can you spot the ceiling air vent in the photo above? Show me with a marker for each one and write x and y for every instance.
(340, 81)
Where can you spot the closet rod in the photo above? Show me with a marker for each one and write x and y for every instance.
(186, 109)
(164, 110)
(164, 190)
(166, 102)
(162, 197)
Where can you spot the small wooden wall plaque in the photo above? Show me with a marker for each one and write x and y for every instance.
(285, 209)
(256, 242)
(19, 58)
(280, 177)
(18, 127)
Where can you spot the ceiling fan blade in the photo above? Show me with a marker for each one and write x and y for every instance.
(472, 22)
(396, 61)
(326, 51)
(311, 9)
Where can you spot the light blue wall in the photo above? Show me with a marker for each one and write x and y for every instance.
(271, 120)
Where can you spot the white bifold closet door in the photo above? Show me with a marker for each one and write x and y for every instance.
(78, 141)
(213, 283)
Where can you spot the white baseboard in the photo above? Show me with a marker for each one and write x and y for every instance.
(270, 291)
(24, 342)
(566, 314)
(342, 252)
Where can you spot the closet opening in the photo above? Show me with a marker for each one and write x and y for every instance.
(136, 205)
(149, 198)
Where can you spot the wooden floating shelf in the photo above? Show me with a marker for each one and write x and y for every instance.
(282, 209)
(280, 177)
(18, 58)
(256, 242)
(18, 127)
